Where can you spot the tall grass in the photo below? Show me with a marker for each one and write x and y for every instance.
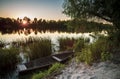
(35, 47)
(101, 45)
(80, 43)
(66, 43)
(95, 52)
(8, 59)
(55, 68)
(85, 56)
(40, 47)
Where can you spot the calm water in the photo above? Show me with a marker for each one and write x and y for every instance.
(53, 36)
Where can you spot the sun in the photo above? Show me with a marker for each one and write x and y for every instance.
(24, 22)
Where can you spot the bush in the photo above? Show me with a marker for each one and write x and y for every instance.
(40, 48)
(8, 59)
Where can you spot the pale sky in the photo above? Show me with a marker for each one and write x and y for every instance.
(45, 9)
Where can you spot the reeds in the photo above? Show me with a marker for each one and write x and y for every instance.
(40, 47)
(8, 59)
(66, 43)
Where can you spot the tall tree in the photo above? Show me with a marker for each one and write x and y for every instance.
(106, 9)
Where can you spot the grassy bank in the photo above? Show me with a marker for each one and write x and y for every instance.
(48, 73)
(94, 52)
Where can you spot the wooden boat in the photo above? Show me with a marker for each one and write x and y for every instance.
(44, 62)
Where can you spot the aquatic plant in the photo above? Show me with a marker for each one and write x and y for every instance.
(40, 48)
(66, 43)
(8, 59)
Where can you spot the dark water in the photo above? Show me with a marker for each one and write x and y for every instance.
(9, 75)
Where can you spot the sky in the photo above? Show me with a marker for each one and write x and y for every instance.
(45, 9)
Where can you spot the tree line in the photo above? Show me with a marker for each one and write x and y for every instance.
(8, 25)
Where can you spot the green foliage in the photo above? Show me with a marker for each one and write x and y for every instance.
(77, 8)
(85, 56)
(8, 58)
(94, 52)
(40, 75)
(40, 48)
(99, 46)
(66, 43)
(80, 43)
(34, 47)
(83, 26)
(106, 56)
(84, 9)
(114, 39)
(55, 68)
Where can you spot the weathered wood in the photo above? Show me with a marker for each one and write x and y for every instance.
(56, 58)
(44, 62)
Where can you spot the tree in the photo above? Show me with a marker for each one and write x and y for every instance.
(106, 9)
(35, 20)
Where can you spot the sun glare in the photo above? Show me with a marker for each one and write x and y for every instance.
(24, 22)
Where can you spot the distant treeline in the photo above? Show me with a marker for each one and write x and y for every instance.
(8, 25)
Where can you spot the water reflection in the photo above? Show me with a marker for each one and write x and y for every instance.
(27, 33)
(54, 36)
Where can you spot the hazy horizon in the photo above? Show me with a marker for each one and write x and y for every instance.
(45, 9)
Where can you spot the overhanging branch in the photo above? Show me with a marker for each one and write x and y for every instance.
(101, 16)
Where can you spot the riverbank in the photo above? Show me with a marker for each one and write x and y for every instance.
(102, 70)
